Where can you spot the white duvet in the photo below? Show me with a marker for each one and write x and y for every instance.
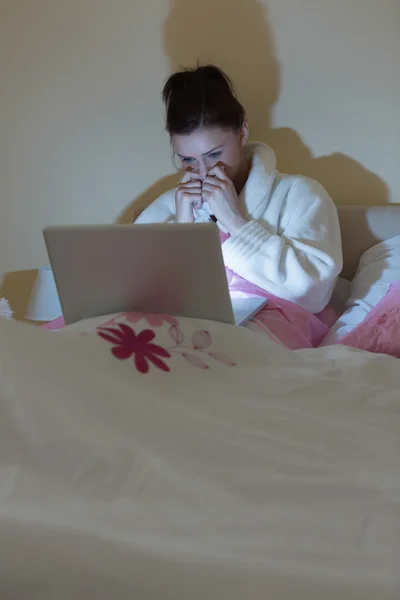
(277, 478)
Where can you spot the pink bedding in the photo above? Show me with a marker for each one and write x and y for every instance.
(284, 322)
(380, 330)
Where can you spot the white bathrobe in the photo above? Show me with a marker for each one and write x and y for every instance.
(291, 246)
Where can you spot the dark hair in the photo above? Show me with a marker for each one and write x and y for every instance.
(201, 97)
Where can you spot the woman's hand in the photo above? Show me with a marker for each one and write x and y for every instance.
(220, 194)
(188, 197)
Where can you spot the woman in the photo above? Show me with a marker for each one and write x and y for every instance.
(280, 233)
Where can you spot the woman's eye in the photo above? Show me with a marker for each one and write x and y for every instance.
(214, 155)
(187, 160)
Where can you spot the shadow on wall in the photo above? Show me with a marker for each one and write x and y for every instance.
(159, 187)
(346, 180)
(235, 35)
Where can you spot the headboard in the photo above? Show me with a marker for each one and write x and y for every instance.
(363, 227)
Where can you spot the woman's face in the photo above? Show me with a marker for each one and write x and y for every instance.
(205, 148)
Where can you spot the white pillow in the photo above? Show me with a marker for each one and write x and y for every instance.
(379, 267)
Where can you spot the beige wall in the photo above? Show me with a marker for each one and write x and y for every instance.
(81, 122)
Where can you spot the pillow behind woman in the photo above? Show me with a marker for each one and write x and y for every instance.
(379, 267)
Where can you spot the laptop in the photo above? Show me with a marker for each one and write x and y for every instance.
(174, 269)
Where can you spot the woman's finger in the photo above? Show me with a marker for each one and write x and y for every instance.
(219, 172)
(190, 176)
(208, 193)
(211, 186)
(215, 183)
(213, 180)
(191, 184)
(189, 192)
(191, 196)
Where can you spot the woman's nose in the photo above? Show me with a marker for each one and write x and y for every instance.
(203, 171)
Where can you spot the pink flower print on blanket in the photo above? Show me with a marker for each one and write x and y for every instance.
(199, 350)
(127, 343)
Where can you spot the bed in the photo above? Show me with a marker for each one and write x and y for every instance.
(150, 458)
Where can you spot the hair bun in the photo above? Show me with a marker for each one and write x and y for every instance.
(213, 74)
(199, 97)
(175, 83)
